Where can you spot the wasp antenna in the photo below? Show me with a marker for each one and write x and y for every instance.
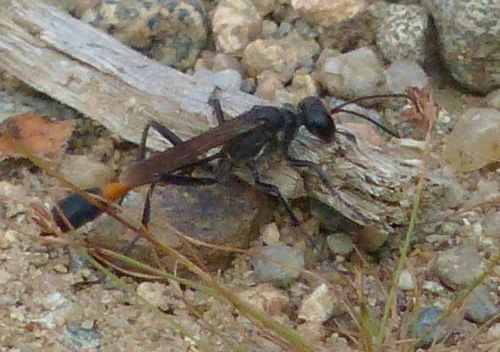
(368, 97)
(376, 123)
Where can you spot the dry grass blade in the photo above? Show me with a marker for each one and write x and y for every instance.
(428, 111)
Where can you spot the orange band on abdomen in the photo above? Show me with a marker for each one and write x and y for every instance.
(114, 191)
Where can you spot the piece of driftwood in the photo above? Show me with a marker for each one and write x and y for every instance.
(88, 70)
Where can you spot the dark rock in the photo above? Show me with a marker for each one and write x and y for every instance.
(458, 267)
(481, 306)
(427, 318)
(79, 338)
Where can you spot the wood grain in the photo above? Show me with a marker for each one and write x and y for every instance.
(81, 67)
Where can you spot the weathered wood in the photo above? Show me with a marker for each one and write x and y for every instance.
(100, 77)
(372, 186)
(96, 75)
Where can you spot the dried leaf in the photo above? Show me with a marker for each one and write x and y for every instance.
(30, 133)
(426, 110)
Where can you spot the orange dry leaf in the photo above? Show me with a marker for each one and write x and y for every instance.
(29, 133)
(426, 110)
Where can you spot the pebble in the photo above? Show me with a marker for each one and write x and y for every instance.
(480, 127)
(5, 277)
(278, 262)
(371, 238)
(266, 298)
(304, 85)
(57, 309)
(268, 85)
(494, 332)
(221, 62)
(480, 305)
(87, 324)
(236, 23)
(154, 293)
(406, 281)
(493, 99)
(437, 240)
(340, 243)
(37, 259)
(434, 287)
(269, 29)
(285, 28)
(171, 32)
(353, 74)
(458, 267)
(318, 306)
(79, 338)
(280, 56)
(11, 236)
(60, 268)
(4, 243)
(270, 233)
(328, 13)
(402, 74)
(265, 7)
(450, 228)
(402, 33)
(427, 318)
